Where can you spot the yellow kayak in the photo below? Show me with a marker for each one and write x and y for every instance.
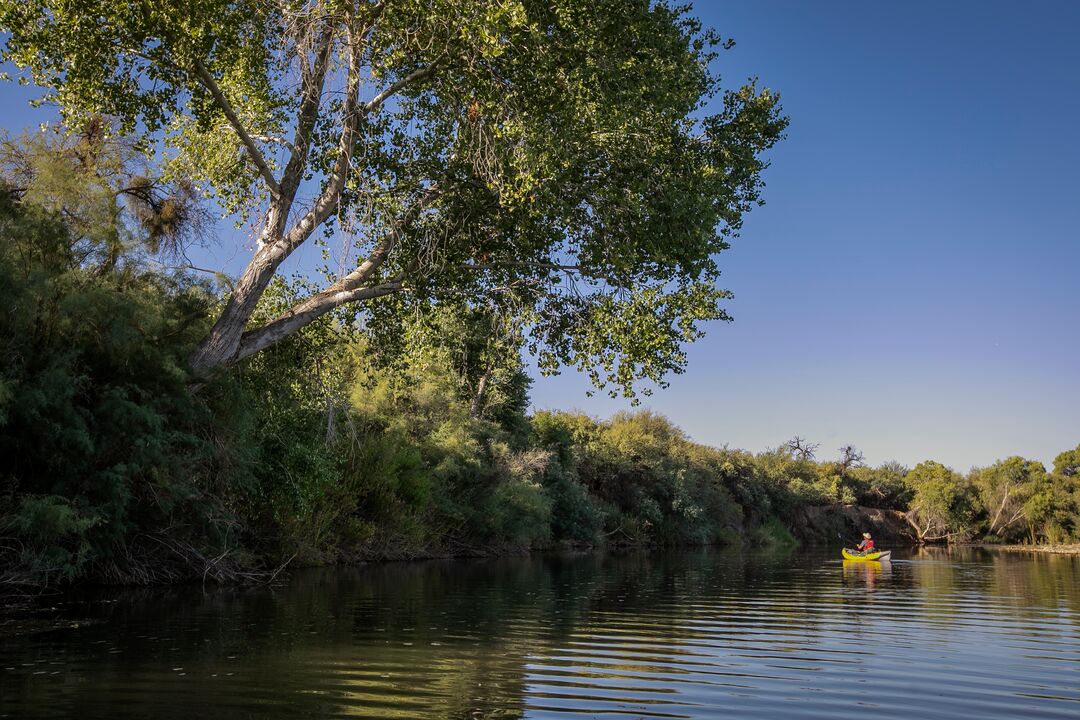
(879, 555)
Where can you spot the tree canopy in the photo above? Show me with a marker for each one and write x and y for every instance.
(942, 505)
(554, 160)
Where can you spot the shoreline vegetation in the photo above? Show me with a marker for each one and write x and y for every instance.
(468, 183)
(320, 451)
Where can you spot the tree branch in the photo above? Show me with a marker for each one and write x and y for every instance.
(327, 201)
(396, 87)
(579, 269)
(383, 249)
(226, 107)
(345, 290)
(376, 12)
(1001, 508)
(305, 312)
(312, 88)
(276, 140)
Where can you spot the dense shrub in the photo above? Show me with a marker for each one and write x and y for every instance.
(101, 438)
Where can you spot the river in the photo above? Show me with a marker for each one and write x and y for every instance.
(966, 633)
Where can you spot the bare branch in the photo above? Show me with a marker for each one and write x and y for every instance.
(1001, 508)
(226, 107)
(850, 457)
(312, 88)
(404, 82)
(275, 140)
(802, 448)
(328, 199)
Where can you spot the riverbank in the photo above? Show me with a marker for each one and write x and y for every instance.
(1067, 549)
(845, 524)
(806, 526)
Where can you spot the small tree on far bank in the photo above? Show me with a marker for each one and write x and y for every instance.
(942, 506)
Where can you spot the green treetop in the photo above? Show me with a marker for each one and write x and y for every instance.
(552, 159)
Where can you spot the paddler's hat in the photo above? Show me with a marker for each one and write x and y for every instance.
(866, 535)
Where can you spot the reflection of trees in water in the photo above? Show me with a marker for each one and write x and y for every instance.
(462, 639)
(434, 639)
(958, 581)
(1036, 582)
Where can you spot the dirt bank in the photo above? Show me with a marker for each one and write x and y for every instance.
(845, 524)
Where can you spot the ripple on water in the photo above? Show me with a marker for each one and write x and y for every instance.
(687, 635)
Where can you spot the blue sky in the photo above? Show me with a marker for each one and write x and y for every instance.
(911, 286)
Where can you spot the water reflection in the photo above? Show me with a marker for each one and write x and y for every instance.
(701, 634)
(867, 571)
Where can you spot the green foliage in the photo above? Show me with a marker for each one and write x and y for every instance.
(649, 482)
(883, 486)
(1067, 464)
(520, 513)
(101, 432)
(334, 446)
(53, 533)
(113, 207)
(791, 481)
(569, 175)
(1005, 489)
(772, 533)
(943, 504)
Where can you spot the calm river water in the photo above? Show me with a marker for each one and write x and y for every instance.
(702, 634)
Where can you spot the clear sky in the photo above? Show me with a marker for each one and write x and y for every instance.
(912, 286)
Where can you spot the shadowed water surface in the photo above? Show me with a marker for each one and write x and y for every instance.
(963, 634)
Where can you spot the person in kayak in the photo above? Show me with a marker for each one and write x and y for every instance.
(867, 544)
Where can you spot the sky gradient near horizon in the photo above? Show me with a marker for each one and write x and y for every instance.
(912, 285)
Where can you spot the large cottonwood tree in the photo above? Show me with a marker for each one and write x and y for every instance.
(549, 157)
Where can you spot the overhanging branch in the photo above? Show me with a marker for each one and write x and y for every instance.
(347, 289)
(305, 312)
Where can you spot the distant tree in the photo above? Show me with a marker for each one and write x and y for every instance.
(942, 505)
(1067, 464)
(883, 486)
(1064, 518)
(553, 155)
(1049, 509)
(850, 457)
(801, 448)
(1005, 489)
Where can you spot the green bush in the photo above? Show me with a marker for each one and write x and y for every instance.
(96, 415)
(771, 533)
